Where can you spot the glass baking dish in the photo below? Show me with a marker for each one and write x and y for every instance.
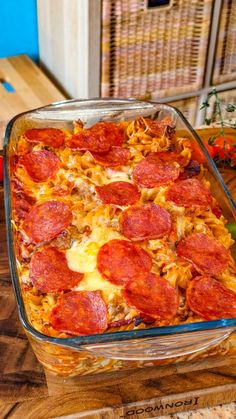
(123, 349)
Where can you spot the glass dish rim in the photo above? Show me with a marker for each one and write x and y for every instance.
(78, 341)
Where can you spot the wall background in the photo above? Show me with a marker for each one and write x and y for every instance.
(18, 28)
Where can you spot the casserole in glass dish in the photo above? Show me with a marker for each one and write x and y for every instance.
(145, 336)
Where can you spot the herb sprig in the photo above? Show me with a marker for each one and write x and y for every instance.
(220, 147)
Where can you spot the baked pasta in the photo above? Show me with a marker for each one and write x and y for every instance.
(116, 229)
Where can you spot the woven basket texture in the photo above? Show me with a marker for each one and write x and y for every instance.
(188, 107)
(153, 53)
(225, 60)
(227, 97)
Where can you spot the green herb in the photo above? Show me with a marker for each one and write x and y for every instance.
(232, 229)
(230, 108)
(218, 112)
(208, 121)
(205, 105)
(212, 140)
(221, 154)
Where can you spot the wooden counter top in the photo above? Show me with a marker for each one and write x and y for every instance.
(31, 89)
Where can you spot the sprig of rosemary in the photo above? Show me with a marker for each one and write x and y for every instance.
(218, 115)
(228, 108)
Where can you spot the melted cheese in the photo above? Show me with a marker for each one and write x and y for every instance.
(93, 281)
(117, 176)
(82, 257)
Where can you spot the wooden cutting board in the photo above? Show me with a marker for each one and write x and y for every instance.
(27, 392)
(23, 86)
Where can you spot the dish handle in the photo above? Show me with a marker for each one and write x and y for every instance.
(160, 347)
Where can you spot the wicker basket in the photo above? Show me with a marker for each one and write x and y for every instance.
(188, 107)
(225, 60)
(153, 53)
(227, 97)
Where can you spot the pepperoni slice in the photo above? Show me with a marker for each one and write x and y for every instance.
(152, 295)
(99, 139)
(49, 271)
(80, 313)
(167, 157)
(53, 137)
(22, 204)
(118, 193)
(145, 222)
(159, 128)
(109, 130)
(116, 156)
(41, 165)
(91, 141)
(210, 299)
(205, 253)
(151, 172)
(45, 221)
(189, 193)
(119, 260)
